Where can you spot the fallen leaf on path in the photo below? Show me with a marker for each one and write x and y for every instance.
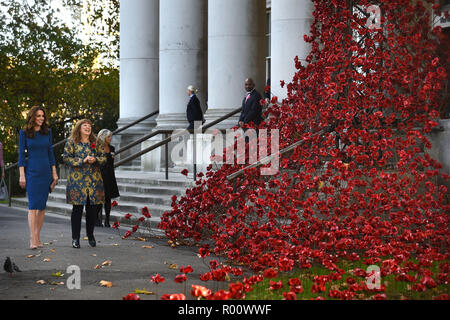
(105, 283)
(139, 291)
(52, 251)
(147, 247)
(97, 267)
(173, 266)
(94, 254)
(30, 256)
(40, 282)
(54, 283)
(141, 239)
(58, 274)
(116, 244)
(85, 238)
(106, 263)
(47, 260)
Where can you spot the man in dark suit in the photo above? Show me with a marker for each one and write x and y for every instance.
(251, 107)
(193, 111)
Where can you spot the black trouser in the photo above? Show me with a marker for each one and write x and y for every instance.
(107, 209)
(91, 216)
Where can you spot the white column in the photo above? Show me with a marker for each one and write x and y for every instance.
(236, 51)
(182, 57)
(139, 58)
(139, 70)
(290, 19)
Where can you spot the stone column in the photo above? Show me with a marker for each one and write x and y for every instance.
(139, 71)
(236, 51)
(290, 20)
(182, 54)
(139, 60)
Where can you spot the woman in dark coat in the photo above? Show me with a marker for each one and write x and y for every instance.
(108, 175)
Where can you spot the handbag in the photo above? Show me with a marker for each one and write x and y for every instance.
(3, 190)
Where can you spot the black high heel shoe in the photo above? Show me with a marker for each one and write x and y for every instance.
(76, 243)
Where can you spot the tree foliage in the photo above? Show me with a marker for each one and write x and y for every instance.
(44, 62)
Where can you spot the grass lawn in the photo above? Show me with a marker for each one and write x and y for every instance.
(395, 290)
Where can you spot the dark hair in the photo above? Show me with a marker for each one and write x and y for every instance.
(31, 119)
(75, 135)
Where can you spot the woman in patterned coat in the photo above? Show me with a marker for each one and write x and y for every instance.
(84, 182)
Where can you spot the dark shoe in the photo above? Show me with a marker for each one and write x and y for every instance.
(76, 243)
(92, 241)
(107, 225)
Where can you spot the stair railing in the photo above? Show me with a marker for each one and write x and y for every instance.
(167, 139)
(269, 158)
(13, 166)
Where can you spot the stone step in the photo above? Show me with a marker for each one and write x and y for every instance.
(59, 205)
(137, 189)
(126, 188)
(154, 178)
(154, 190)
(141, 200)
(130, 168)
(143, 181)
(65, 209)
(52, 206)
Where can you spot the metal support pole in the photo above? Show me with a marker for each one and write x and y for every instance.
(166, 153)
(195, 155)
(9, 187)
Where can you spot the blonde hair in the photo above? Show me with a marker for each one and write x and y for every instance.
(192, 89)
(102, 135)
(75, 135)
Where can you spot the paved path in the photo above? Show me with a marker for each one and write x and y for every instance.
(131, 265)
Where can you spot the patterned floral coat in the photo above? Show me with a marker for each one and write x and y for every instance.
(83, 178)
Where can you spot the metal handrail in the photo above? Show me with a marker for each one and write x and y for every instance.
(224, 117)
(119, 129)
(140, 140)
(268, 159)
(15, 165)
(162, 131)
(135, 122)
(115, 132)
(166, 141)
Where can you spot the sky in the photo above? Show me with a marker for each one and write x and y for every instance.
(64, 14)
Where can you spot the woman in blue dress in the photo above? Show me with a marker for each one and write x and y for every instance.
(37, 173)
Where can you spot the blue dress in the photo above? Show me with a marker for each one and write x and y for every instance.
(38, 167)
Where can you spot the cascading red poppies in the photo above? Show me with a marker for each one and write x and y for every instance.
(364, 190)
